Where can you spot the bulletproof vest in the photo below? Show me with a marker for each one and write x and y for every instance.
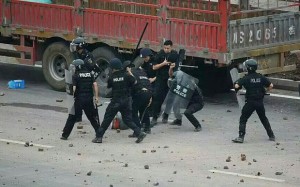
(254, 86)
(85, 82)
(163, 73)
(142, 81)
(148, 67)
(120, 84)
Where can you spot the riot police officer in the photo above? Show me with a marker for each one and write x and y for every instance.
(141, 98)
(84, 89)
(78, 48)
(255, 85)
(194, 105)
(121, 82)
(162, 62)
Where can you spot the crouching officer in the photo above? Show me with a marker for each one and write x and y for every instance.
(121, 82)
(141, 98)
(84, 88)
(79, 48)
(255, 85)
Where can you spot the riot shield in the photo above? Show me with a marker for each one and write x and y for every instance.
(182, 87)
(69, 88)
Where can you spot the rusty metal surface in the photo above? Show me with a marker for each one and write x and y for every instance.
(263, 32)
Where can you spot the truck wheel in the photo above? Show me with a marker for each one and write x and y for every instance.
(102, 56)
(56, 59)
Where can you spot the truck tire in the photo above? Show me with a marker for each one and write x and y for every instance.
(56, 58)
(102, 56)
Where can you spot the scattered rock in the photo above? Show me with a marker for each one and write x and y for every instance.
(144, 151)
(282, 148)
(79, 127)
(277, 143)
(41, 149)
(203, 120)
(71, 145)
(208, 177)
(254, 160)
(242, 180)
(78, 172)
(111, 185)
(118, 130)
(226, 167)
(174, 172)
(89, 173)
(166, 146)
(228, 159)
(33, 128)
(146, 166)
(2, 93)
(278, 173)
(26, 144)
(78, 154)
(126, 165)
(285, 118)
(153, 151)
(59, 100)
(258, 174)
(156, 184)
(228, 111)
(249, 163)
(99, 161)
(243, 157)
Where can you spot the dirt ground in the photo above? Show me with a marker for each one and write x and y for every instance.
(292, 75)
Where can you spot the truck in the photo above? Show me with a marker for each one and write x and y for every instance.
(216, 34)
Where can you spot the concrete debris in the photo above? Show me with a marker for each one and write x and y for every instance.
(40, 149)
(254, 160)
(7, 143)
(208, 177)
(228, 111)
(243, 157)
(278, 173)
(156, 184)
(111, 185)
(126, 165)
(144, 151)
(226, 167)
(174, 172)
(70, 145)
(2, 93)
(242, 180)
(228, 159)
(282, 148)
(153, 151)
(277, 143)
(166, 146)
(170, 181)
(258, 174)
(89, 173)
(285, 118)
(118, 130)
(78, 154)
(59, 100)
(146, 166)
(78, 172)
(26, 144)
(79, 127)
(249, 163)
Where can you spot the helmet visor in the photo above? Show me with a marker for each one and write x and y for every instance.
(73, 47)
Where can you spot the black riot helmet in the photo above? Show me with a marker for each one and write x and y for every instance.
(250, 65)
(145, 52)
(78, 63)
(77, 44)
(127, 63)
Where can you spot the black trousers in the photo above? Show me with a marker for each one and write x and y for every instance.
(140, 112)
(248, 109)
(124, 106)
(87, 105)
(189, 113)
(160, 93)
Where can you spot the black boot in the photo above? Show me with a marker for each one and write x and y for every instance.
(177, 122)
(141, 137)
(165, 118)
(97, 140)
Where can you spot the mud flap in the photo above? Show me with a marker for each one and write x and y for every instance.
(234, 77)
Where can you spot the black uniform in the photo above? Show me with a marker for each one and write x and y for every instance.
(196, 103)
(141, 95)
(83, 79)
(255, 84)
(161, 83)
(121, 83)
(148, 67)
(90, 64)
